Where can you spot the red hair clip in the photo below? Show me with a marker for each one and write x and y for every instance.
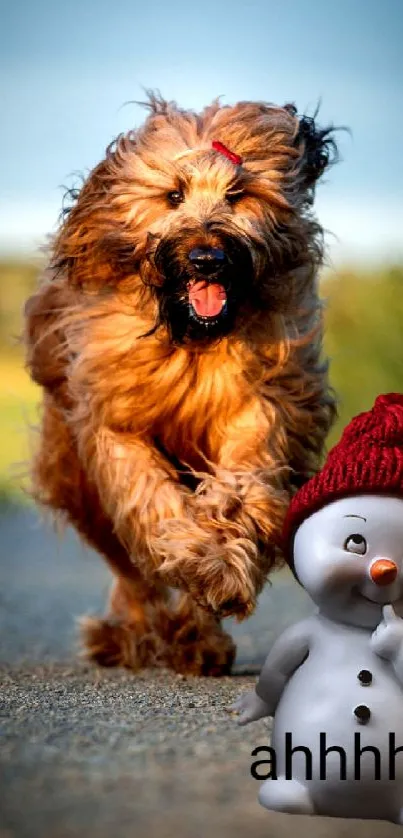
(222, 149)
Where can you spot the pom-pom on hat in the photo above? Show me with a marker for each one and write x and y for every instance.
(368, 459)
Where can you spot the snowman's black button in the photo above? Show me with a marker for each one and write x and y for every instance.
(362, 714)
(365, 677)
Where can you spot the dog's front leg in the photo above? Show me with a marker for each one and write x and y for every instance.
(239, 511)
(155, 517)
(137, 487)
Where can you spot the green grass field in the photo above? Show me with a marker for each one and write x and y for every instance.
(364, 337)
(18, 413)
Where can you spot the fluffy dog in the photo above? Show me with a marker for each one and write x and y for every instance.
(177, 338)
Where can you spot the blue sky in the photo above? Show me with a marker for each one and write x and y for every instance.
(67, 70)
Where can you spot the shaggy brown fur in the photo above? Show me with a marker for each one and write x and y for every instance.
(172, 442)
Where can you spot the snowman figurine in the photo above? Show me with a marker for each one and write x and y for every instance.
(334, 682)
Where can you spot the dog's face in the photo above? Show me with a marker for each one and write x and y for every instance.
(210, 213)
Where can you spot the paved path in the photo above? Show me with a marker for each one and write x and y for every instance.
(106, 754)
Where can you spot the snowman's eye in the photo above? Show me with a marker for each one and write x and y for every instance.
(356, 544)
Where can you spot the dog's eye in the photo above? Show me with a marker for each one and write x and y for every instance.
(234, 195)
(175, 197)
(356, 544)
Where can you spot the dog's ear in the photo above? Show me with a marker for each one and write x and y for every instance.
(46, 356)
(317, 147)
(90, 239)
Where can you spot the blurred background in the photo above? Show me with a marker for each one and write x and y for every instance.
(77, 743)
(70, 76)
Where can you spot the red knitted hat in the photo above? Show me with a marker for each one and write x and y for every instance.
(368, 459)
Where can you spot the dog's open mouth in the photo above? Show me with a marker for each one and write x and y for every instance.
(207, 300)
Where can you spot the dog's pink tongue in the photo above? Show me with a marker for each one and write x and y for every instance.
(207, 300)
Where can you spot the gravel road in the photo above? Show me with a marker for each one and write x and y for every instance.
(110, 754)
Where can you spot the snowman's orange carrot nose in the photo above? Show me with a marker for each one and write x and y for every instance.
(383, 572)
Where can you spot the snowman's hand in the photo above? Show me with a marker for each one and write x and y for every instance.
(250, 708)
(387, 639)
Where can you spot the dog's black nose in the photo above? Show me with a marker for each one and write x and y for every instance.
(207, 260)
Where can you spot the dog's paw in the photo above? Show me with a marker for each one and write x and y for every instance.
(230, 583)
(114, 642)
(229, 594)
(201, 653)
(222, 574)
(215, 585)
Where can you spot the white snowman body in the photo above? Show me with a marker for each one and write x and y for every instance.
(321, 697)
(335, 680)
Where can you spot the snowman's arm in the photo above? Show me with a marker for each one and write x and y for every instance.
(288, 652)
(387, 640)
(398, 667)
